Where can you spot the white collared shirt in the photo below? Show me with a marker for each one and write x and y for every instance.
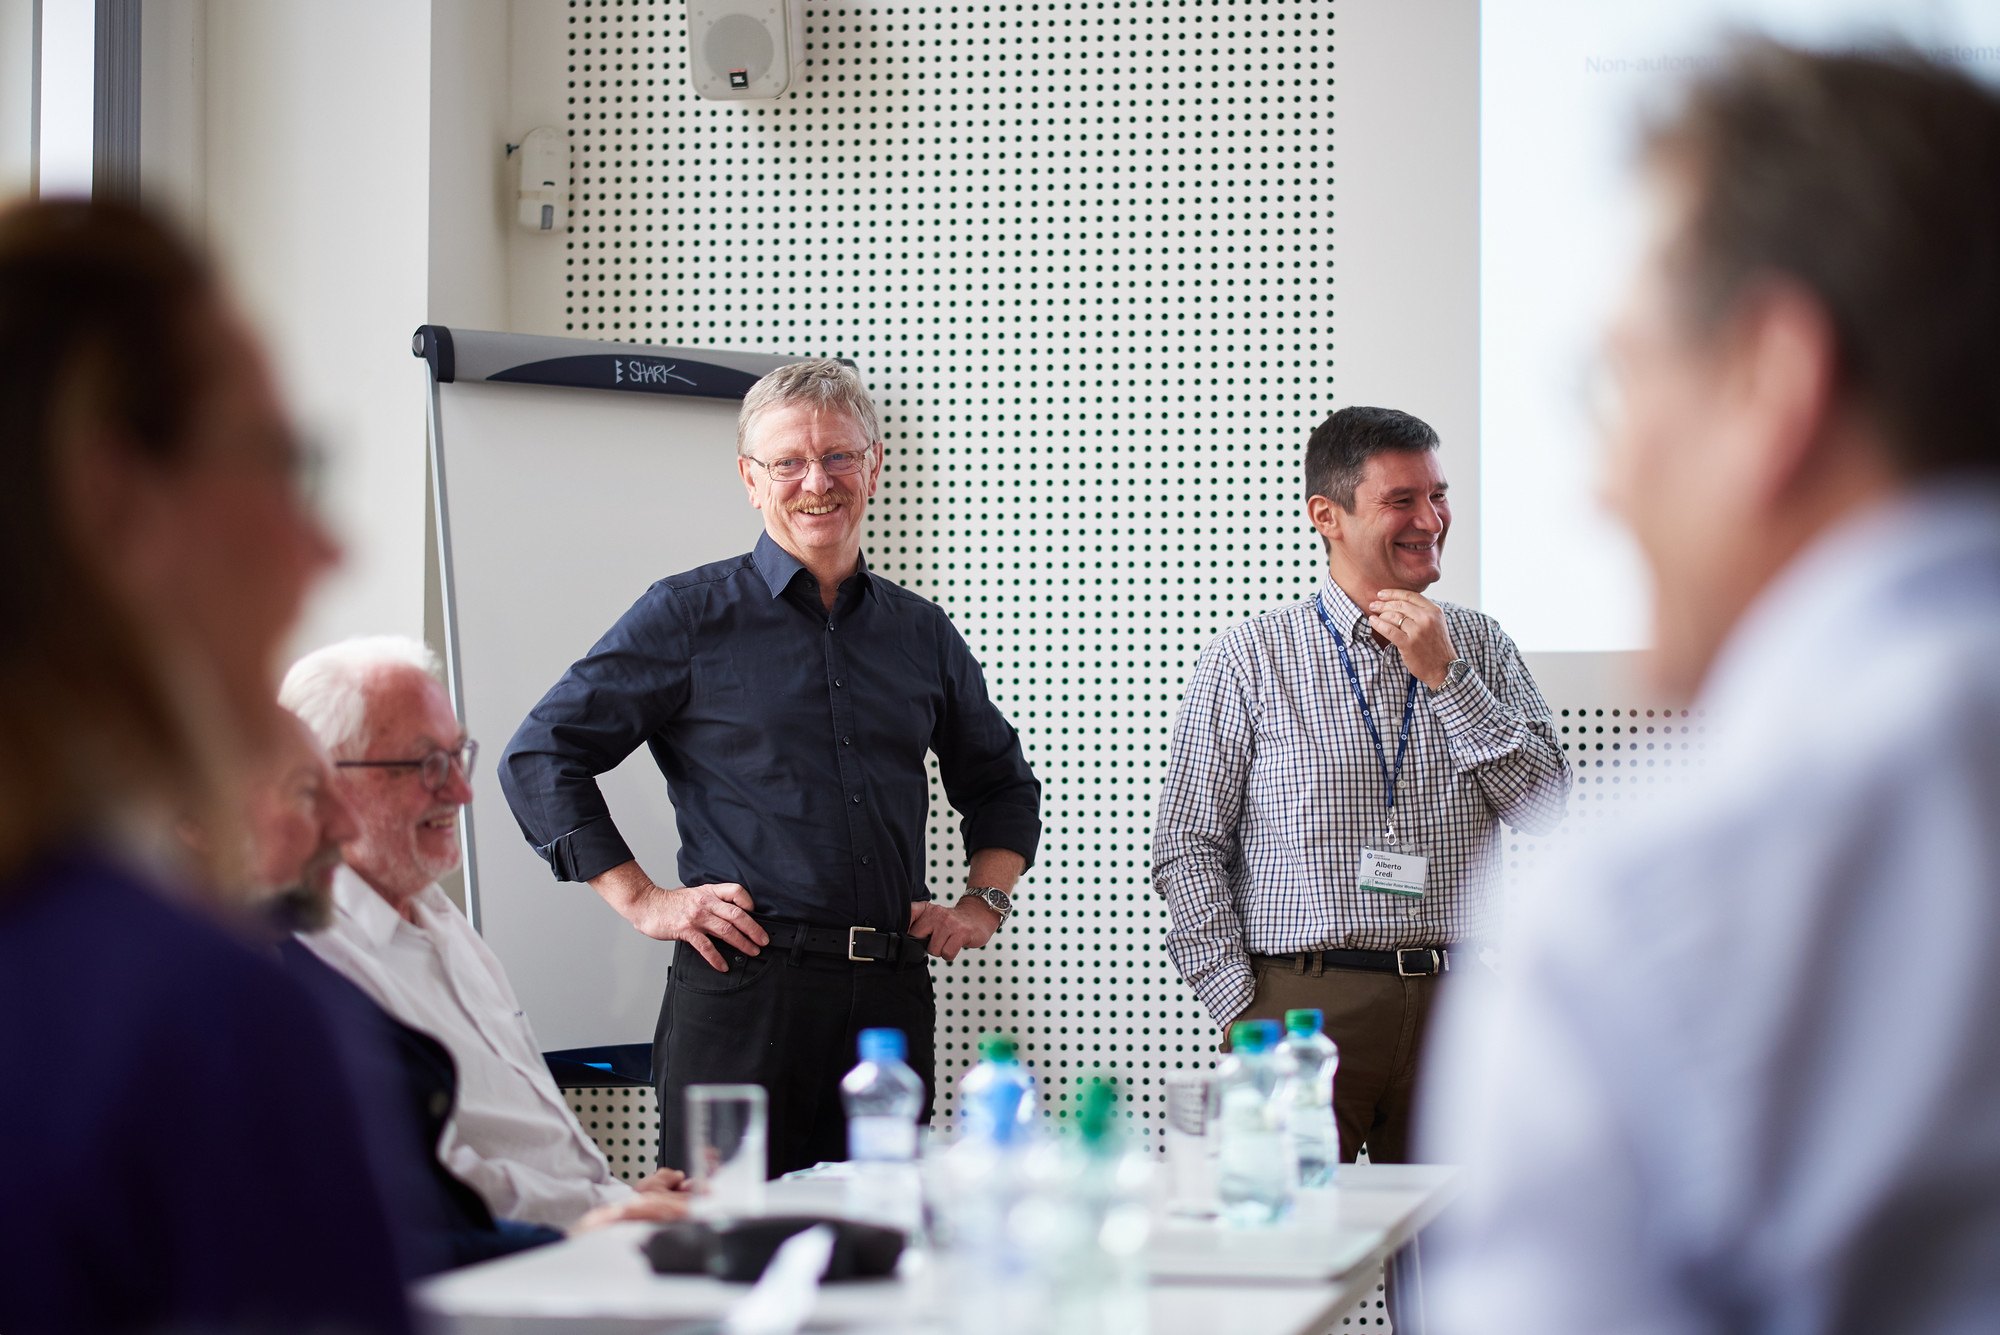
(512, 1139)
(1741, 1069)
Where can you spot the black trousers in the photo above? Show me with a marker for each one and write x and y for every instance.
(789, 1022)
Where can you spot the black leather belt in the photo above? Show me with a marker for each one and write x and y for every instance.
(863, 945)
(1410, 962)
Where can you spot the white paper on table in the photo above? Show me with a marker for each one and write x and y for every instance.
(788, 1288)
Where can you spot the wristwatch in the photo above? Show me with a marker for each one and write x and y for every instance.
(995, 898)
(1455, 672)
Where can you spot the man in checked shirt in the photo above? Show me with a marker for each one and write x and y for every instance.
(1328, 831)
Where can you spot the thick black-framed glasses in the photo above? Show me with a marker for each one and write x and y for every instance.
(842, 463)
(433, 769)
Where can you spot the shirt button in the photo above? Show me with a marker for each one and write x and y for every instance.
(857, 797)
(847, 741)
(864, 859)
(836, 681)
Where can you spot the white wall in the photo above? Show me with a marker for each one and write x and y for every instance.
(469, 134)
(537, 94)
(173, 111)
(354, 184)
(1406, 192)
(318, 201)
(17, 96)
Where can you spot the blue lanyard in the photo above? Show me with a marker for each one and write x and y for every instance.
(1389, 776)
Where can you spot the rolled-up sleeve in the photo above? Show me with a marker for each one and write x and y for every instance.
(985, 774)
(516, 1189)
(1501, 732)
(605, 707)
(1196, 849)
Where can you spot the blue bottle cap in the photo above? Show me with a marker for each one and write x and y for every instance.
(883, 1045)
(1273, 1032)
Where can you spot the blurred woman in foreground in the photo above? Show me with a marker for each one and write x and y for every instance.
(153, 553)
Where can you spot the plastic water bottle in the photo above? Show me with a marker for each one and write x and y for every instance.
(993, 1286)
(1088, 1220)
(1255, 1177)
(884, 1098)
(999, 1063)
(1307, 1096)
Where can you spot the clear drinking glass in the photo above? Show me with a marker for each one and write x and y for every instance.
(1193, 1142)
(727, 1156)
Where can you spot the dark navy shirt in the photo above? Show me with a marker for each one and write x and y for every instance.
(208, 1171)
(792, 739)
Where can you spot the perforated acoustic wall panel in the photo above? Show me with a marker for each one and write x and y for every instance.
(1083, 254)
(624, 1120)
(1620, 757)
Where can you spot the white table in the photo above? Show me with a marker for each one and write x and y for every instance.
(1206, 1279)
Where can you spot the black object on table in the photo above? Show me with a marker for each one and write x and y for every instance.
(739, 1252)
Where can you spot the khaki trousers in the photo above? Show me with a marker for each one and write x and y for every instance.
(1378, 1020)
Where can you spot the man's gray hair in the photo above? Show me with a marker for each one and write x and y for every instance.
(328, 688)
(824, 384)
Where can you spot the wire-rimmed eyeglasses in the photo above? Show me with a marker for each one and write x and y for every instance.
(841, 463)
(434, 769)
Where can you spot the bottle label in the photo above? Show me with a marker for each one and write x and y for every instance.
(1187, 1107)
(893, 1138)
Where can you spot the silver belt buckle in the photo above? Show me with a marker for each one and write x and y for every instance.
(1417, 950)
(861, 959)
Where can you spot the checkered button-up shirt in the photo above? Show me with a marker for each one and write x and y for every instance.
(1273, 786)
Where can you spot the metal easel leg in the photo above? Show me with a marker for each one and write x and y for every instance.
(1404, 1289)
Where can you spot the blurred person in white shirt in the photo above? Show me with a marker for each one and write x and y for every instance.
(1742, 1065)
(401, 765)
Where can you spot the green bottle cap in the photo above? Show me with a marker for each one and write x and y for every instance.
(1100, 1103)
(1248, 1036)
(1305, 1023)
(998, 1048)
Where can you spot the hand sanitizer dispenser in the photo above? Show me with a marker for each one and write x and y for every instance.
(543, 162)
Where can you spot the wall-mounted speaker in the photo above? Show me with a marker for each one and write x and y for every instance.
(744, 50)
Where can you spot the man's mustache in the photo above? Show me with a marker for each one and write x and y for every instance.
(814, 501)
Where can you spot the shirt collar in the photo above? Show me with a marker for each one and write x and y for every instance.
(779, 567)
(1343, 611)
(1938, 536)
(356, 901)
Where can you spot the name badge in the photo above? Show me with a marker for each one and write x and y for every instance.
(1389, 872)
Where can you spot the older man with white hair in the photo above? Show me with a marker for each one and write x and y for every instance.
(402, 763)
(790, 696)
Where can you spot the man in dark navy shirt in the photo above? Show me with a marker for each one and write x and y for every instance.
(789, 696)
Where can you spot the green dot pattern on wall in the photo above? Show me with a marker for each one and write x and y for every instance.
(1084, 258)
